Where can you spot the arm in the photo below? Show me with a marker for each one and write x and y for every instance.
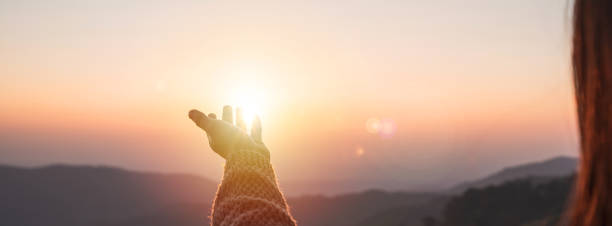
(248, 194)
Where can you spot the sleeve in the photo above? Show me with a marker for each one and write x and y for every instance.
(249, 193)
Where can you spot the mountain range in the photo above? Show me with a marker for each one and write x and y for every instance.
(555, 167)
(106, 196)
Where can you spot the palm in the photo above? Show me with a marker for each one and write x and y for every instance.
(223, 135)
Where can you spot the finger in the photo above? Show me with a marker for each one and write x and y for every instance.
(228, 115)
(199, 118)
(256, 130)
(212, 116)
(240, 120)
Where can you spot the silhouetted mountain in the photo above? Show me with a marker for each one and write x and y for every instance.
(409, 215)
(79, 195)
(531, 201)
(556, 167)
(352, 209)
(535, 201)
(103, 196)
(545, 183)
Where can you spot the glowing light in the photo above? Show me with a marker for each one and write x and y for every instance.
(359, 152)
(386, 128)
(251, 99)
(373, 125)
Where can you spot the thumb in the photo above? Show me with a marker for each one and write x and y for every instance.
(199, 119)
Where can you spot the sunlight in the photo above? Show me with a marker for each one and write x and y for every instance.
(249, 84)
(251, 99)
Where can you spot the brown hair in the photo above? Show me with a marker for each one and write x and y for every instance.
(592, 61)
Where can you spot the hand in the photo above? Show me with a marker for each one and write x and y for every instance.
(225, 137)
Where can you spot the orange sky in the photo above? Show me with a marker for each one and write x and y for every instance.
(470, 87)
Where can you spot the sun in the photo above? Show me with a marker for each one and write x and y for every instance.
(248, 86)
(252, 100)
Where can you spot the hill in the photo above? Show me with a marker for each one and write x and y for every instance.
(505, 194)
(555, 167)
(354, 209)
(105, 196)
(529, 201)
(81, 195)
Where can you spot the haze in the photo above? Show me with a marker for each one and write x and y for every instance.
(452, 90)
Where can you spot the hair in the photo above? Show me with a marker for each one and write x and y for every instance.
(592, 64)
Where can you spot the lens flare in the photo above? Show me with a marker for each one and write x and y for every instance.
(386, 128)
(373, 125)
(359, 152)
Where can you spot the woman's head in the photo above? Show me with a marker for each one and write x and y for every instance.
(592, 61)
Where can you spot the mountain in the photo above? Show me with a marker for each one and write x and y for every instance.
(555, 167)
(354, 209)
(408, 215)
(85, 195)
(545, 183)
(105, 196)
(528, 201)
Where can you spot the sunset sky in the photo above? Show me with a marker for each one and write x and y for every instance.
(353, 94)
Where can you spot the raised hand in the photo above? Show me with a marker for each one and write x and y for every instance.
(249, 193)
(225, 137)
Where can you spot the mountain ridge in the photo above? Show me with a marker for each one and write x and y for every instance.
(554, 167)
(62, 194)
